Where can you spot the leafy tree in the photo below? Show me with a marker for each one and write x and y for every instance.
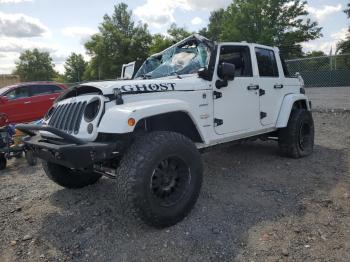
(75, 67)
(119, 41)
(34, 65)
(177, 33)
(161, 42)
(213, 30)
(344, 46)
(315, 54)
(60, 78)
(347, 11)
(281, 23)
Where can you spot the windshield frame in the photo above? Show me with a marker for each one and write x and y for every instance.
(195, 39)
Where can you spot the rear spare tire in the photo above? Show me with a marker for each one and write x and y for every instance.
(159, 178)
(297, 139)
(69, 178)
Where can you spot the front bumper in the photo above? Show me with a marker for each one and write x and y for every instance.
(67, 151)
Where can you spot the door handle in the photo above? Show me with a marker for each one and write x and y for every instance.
(278, 86)
(253, 87)
(52, 98)
(28, 102)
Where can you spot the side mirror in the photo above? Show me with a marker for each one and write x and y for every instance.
(227, 73)
(128, 70)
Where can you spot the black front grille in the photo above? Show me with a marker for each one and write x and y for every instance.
(68, 117)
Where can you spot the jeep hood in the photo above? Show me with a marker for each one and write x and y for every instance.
(168, 84)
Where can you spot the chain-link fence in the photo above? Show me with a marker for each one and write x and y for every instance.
(324, 71)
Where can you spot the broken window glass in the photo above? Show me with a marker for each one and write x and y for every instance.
(186, 58)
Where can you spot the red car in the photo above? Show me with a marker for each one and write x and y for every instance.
(27, 102)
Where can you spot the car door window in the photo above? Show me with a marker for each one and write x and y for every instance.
(20, 92)
(55, 89)
(40, 90)
(266, 62)
(240, 57)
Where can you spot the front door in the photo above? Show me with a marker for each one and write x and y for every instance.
(17, 107)
(236, 106)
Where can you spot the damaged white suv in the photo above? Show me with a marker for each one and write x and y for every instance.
(147, 132)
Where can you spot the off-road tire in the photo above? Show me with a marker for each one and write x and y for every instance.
(69, 178)
(30, 157)
(297, 139)
(136, 175)
(3, 162)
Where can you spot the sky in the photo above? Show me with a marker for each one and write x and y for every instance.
(62, 26)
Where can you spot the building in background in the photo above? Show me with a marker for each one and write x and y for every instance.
(6, 80)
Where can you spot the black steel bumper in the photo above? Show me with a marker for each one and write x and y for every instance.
(67, 151)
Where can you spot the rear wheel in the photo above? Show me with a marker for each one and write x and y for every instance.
(297, 139)
(69, 178)
(159, 178)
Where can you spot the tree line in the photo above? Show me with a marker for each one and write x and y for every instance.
(281, 23)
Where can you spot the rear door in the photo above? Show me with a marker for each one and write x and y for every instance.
(17, 106)
(271, 85)
(42, 97)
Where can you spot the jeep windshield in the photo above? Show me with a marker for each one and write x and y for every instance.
(186, 57)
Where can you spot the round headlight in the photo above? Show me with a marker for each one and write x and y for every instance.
(92, 109)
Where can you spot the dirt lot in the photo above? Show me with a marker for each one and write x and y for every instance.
(254, 206)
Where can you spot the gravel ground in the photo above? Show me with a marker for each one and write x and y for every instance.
(254, 206)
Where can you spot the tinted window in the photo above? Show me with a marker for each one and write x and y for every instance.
(40, 90)
(266, 62)
(20, 92)
(44, 89)
(55, 89)
(240, 57)
(285, 68)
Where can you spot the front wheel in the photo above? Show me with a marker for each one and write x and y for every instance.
(30, 157)
(297, 139)
(159, 178)
(69, 178)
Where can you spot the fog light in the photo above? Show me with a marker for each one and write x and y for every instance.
(131, 121)
(90, 128)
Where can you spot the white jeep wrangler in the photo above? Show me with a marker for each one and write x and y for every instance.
(148, 132)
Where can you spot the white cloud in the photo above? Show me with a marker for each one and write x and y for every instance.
(161, 13)
(208, 4)
(20, 25)
(341, 35)
(78, 31)
(7, 64)
(326, 45)
(323, 12)
(158, 13)
(11, 44)
(196, 21)
(81, 32)
(10, 49)
(13, 1)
